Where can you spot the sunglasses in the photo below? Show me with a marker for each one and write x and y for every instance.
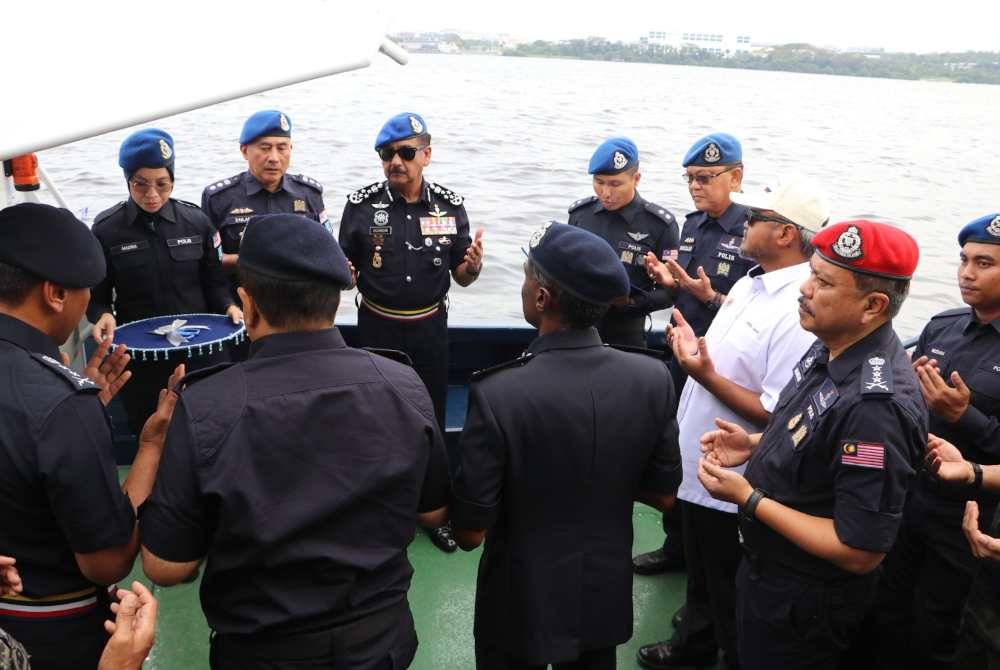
(406, 153)
(704, 178)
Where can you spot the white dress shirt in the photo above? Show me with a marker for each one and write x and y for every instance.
(755, 340)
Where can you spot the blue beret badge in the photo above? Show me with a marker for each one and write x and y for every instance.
(416, 125)
(994, 227)
(283, 123)
(620, 161)
(712, 153)
(165, 150)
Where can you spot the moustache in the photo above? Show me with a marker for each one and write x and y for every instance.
(805, 307)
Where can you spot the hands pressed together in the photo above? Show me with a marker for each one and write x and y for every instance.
(671, 275)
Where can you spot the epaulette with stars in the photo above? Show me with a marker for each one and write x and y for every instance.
(306, 181)
(515, 363)
(659, 212)
(450, 196)
(223, 184)
(363, 194)
(581, 202)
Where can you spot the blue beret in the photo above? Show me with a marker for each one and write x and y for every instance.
(401, 127)
(293, 247)
(52, 244)
(984, 229)
(714, 149)
(613, 156)
(147, 148)
(269, 123)
(580, 262)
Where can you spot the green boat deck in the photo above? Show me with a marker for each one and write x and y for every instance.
(441, 596)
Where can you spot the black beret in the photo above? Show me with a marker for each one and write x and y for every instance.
(51, 243)
(580, 262)
(293, 247)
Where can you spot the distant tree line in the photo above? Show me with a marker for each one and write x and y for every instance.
(979, 67)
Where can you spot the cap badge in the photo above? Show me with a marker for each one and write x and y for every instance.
(537, 236)
(994, 227)
(165, 150)
(283, 122)
(619, 160)
(712, 153)
(848, 245)
(416, 125)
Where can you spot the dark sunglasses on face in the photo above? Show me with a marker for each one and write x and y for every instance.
(406, 153)
(704, 178)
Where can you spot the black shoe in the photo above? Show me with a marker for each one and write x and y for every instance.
(442, 538)
(657, 561)
(668, 656)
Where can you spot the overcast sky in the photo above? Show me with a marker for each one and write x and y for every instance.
(955, 25)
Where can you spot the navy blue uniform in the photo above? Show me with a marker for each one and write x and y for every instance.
(551, 459)
(59, 495)
(843, 442)
(299, 473)
(930, 570)
(158, 264)
(404, 254)
(635, 229)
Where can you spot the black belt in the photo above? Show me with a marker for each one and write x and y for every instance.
(311, 642)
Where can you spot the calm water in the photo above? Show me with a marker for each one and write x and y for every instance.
(514, 137)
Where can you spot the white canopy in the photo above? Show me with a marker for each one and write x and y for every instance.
(72, 70)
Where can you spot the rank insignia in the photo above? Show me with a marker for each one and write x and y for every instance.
(800, 434)
(712, 153)
(848, 245)
(794, 421)
(299, 205)
(628, 257)
(381, 217)
(723, 269)
(165, 150)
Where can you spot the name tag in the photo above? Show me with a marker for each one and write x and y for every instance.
(380, 230)
(438, 225)
(629, 246)
(685, 247)
(129, 246)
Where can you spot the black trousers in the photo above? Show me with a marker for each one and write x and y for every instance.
(68, 643)
(140, 393)
(491, 658)
(926, 578)
(792, 621)
(425, 341)
(712, 553)
(385, 640)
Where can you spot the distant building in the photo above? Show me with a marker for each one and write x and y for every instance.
(444, 43)
(720, 44)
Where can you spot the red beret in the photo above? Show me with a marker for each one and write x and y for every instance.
(869, 247)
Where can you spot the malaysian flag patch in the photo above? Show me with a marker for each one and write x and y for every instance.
(863, 454)
(668, 254)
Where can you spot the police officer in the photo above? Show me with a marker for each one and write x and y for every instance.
(550, 460)
(300, 474)
(957, 360)
(408, 238)
(708, 263)
(822, 496)
(633, 227)
(68, 523)
(163, 257)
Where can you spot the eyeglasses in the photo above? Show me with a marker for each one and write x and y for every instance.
(704, 178)
(142, 186)
(406, 153)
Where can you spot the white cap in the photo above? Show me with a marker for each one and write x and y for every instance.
(795, 198)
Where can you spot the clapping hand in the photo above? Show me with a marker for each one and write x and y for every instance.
(133, 631)
(982, 545)
(723, 484)
(107, 370)
(945, 460)
(690, 351)
(10, 578)
(948, 402)
(728, 446)
(154, 431)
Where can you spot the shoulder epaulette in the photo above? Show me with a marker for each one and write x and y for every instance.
(197, 375)
(74, 378)
(108, 212)
(450, 196)
(958, 311)
(876, 375)
(658, 354)
(223, 184)
(307, 181)
(581, 202)
(363, 194)
(515, 363)
(186, 203)
(662, 213)
(392, 355)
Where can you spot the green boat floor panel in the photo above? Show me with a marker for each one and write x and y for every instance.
(442, 597)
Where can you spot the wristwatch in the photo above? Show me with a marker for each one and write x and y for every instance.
(977, 475)
(748, 510)
(715, 302)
